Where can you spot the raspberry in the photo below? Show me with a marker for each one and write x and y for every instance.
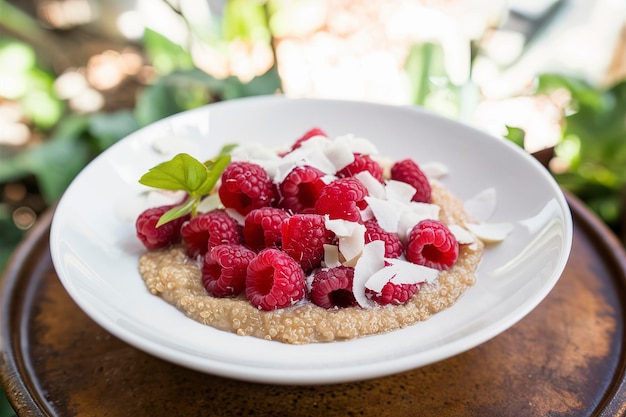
(301, 188)
(245, 186)
(342, 199)
(304, 236)
(362, 163)
(160, 237)
(207, 230)
(263, 227)
(274, 280)
(393, 246)
(224, 270)
(393, 293)
(433, 245)
(332, 288)
(409, 172)
(308, 135)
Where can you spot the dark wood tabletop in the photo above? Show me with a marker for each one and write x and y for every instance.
(566, 358)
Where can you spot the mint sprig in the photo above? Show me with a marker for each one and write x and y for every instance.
(185, 173)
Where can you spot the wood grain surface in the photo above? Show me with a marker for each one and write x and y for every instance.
(566, 358)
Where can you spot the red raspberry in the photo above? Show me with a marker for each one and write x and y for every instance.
(308, 135)
(362, 163)
(332, 288)
(301, 188)
(207, 230)
(433, 245)
(224, 270)
(160, 237)
(408, 171)
(342, 199)
(393, 246)
(263, 227)
(393, 293)
(274, 280)
(245, 186)
(304, 236)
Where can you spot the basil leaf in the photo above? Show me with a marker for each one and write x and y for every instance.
(183, 172)
(218, 165)
(178, 211)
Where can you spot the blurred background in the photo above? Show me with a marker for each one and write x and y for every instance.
(78, 75)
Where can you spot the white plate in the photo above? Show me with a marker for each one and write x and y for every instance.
(95, 251)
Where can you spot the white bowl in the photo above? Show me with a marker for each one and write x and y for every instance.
(95, 251)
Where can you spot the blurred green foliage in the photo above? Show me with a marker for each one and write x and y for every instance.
(593, 143)
(593, 139)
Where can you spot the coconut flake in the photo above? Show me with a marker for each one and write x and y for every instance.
(210, 203)
(491, 232)
(415, 213)
(331, 256)
(434, 170)
(387, 213)
(463, 236)
(399, 191)
(239, 218)
(357, 144)
(482, 205)
(382, 277)
(410, 273)
(351, 237)
(339, 154)
(372, 260)
(374, 187)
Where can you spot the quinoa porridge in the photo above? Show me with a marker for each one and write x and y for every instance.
(172, 275)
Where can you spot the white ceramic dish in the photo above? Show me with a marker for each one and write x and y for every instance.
(95, 251)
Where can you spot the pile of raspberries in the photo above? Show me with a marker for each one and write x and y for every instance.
(281, 241)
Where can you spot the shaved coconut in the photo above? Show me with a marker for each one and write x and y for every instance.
(210, 203)
(257, 154)
(399, 191)
(340, 227)
(371, 261)
(357, 144)
(351, 236)
(425, 210)
(314, 142)
(253, 152)
(339, 154)
(352, 246)
(374, 187)
(331, 256)
(387, 213)
(434, 170)
(462, 236)
(239, 218)
(410, 273)
(327, 179)
(491, 232)
(382, 277)
(311, 156)
(482, 205)
(415, 213)
(367, 214)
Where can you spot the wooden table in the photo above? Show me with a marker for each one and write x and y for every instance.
(567, 358)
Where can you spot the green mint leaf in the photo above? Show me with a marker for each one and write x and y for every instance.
(215, 169)
(227, 149)
(183, 172)
(179, 211)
